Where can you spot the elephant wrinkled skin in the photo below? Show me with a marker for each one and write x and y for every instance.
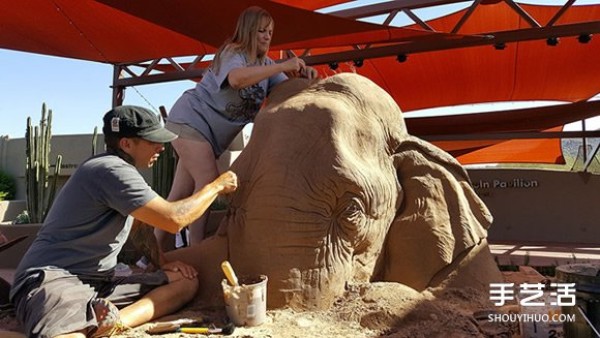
(334, 190)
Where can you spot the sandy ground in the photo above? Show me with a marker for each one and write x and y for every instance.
(369, 310)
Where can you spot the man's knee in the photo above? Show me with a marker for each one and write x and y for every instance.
(185, 288)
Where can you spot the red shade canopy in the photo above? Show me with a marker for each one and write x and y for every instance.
(523, 71)
(88, 30)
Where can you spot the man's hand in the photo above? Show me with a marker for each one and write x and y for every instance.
(172, 216)
(176, 270)
(227, 182)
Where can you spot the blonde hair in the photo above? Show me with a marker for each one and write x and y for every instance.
(244, 38)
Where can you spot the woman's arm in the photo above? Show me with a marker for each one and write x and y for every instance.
(246, 76)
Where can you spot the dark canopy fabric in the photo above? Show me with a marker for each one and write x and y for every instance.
(88, 30)
(116, 31)
(312, 4)
(147, 29)
(294, 27)
(512, 151)
(516, 120)
(550, 118)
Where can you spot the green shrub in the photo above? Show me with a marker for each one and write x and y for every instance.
(22, 218)
(7, 187)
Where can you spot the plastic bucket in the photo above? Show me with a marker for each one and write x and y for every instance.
(542, 329)
(587, 293)
(246, 304)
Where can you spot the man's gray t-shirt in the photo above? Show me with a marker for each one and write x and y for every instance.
(218, 111)
(86, 226)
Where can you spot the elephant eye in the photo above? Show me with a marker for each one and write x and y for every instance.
(353, 211)
(351, 219)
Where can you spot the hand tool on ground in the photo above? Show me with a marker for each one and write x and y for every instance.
(226, 330)
(228, 271)
(173, 325)
(169, 327)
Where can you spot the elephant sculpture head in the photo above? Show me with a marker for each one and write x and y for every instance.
(334, 190)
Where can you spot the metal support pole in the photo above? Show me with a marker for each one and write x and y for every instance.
(584, 142)
(118, 91)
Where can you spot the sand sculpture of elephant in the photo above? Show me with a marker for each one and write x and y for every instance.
(333, 190)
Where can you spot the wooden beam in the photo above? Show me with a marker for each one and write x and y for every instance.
(511, 136)
(435, 43)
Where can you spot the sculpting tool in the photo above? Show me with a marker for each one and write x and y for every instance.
(172, 326)
(227, 330)
(229, 273)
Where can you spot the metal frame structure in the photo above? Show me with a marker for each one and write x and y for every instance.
(150, 71)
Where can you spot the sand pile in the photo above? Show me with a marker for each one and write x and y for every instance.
(366, 310)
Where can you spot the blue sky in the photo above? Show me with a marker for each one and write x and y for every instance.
(79, 93)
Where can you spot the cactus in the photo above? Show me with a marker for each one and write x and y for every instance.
(164, 168)
(163, 171)
(40, 189)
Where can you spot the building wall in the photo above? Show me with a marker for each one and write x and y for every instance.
(73, 148)
(540, 206)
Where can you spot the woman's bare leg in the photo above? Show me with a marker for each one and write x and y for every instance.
(196, 168)
(182, 187)
(198, 160)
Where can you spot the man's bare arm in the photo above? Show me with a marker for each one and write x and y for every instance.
(175, 215)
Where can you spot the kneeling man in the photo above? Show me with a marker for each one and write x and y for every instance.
(65, 285)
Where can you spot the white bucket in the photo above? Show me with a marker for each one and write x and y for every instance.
(246, 304)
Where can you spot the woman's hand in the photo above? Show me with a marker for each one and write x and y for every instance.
(293, 66)
(309, 73)
(177, 270)
(296, 67)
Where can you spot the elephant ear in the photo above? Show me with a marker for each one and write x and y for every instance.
(441, 215)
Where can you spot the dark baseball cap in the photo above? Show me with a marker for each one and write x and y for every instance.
(134, 121)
